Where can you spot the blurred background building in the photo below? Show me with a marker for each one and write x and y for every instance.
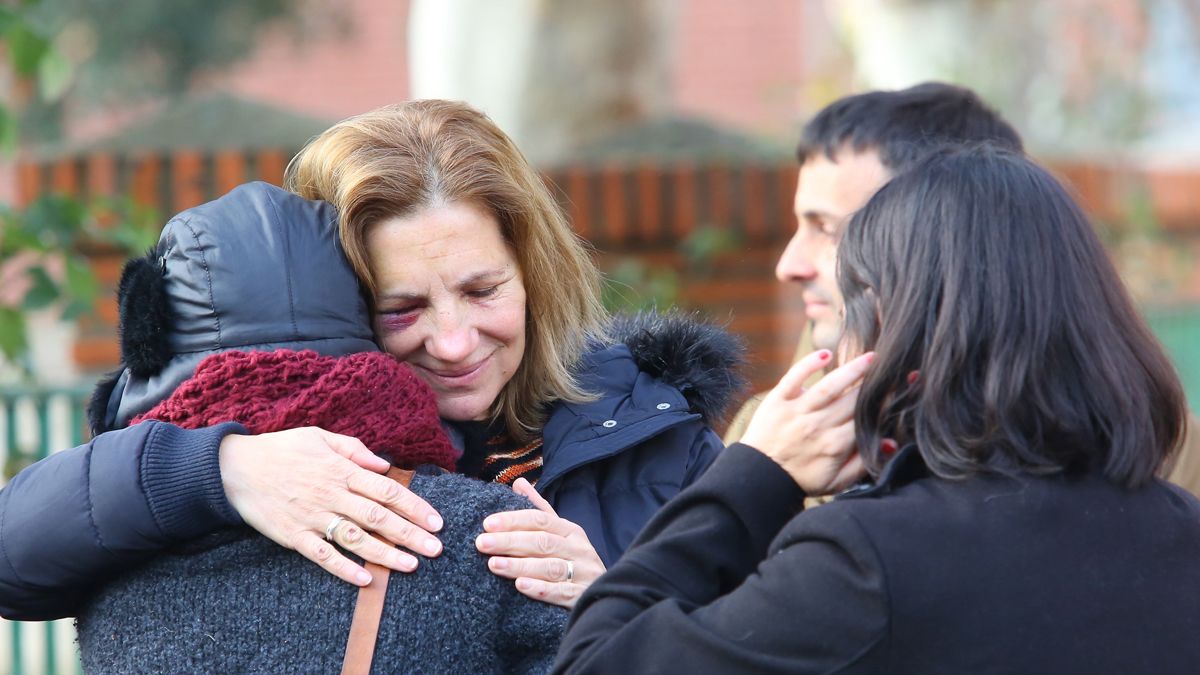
(666, 127)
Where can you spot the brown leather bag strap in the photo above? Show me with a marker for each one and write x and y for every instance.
(364, 628)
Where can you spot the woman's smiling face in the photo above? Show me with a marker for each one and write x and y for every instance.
(451, 303)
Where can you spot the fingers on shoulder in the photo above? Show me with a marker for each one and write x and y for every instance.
(563, 594)
(522, 520)
(351, 448)
(522, 544)
(352, 538)
(327, 556)
(392, 496)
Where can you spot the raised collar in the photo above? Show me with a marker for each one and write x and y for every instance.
(631, 407)
(905, 467)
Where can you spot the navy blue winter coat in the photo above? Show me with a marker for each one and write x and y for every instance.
(72, 521)
(610, 464)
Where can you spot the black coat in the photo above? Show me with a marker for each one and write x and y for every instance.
(1058, 574)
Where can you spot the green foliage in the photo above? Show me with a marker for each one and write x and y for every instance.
(30, 56)
(42, 245)
(706, 242)
(12, 332)
(50, 223)
(55, 74)
(1139, 212)
(138, 226)
(26, 47)
(631, 285)
(155, 47)
(43, 291)
(42, 250)
(122, 50)
(8, 131)
(30, 52)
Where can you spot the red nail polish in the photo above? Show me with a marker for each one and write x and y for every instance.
(887, 446)
(825, 354)
(913, 376)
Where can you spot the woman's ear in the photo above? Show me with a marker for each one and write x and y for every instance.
(145, 316)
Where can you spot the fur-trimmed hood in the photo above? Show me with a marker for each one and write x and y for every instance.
(703, 361)
(659, 383)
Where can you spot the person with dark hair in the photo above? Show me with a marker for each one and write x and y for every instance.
(1019, 527)
(210, 339)
(847, 152)
(901, 127)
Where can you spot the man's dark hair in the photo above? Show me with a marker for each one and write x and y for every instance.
(977, 270)
(903, 126)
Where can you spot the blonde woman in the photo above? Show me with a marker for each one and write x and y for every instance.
(477, 281)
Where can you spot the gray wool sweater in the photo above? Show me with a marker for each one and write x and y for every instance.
(236, 602)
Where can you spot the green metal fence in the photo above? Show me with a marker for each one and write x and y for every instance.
(36, 422)
(1179, 330)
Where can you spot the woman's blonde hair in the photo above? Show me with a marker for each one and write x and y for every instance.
(400, 159)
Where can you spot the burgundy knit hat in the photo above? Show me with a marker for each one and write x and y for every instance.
(370, 395)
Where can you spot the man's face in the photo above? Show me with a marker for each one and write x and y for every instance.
(828, 193)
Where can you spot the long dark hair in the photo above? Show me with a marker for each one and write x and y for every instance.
(977, 269)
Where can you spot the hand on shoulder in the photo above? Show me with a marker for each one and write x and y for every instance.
(550, 557)
(299, 486)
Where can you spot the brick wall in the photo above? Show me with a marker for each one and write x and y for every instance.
(642, 211)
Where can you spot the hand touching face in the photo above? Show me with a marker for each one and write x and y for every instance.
(809, 432)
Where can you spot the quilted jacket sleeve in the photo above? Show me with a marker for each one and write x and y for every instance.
(78, 516)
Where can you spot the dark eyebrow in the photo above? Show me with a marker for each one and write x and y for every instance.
(814, 213)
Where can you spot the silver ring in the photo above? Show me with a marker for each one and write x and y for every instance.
(332, 527)
(570, 570)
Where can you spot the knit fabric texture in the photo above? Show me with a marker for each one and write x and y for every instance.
(360, 395)
(236, 602)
